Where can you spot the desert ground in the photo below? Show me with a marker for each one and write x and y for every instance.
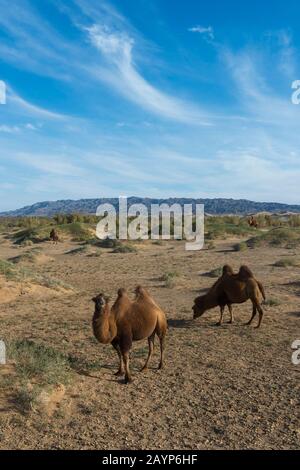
(226, 387)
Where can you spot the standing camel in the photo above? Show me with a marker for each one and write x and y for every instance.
(253, 222)
(232, 289)
(54, 236)
(127, 321)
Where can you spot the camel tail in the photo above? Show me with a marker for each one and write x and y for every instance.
(262, 290)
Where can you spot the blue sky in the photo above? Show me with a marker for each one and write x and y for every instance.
(151, 98)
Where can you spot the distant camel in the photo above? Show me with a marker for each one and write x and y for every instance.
(127, 321)
(231, 289)
(54, 236)
(252, 222)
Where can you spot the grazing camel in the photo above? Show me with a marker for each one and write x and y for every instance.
(127, 321)
(253, 222)
(229, 289)
(54, 236)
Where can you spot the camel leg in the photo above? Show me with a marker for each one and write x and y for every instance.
(162, 349)
(128, 378)
(151, 348)
(116, 346)
(125, 347)
(253, 315)
(222, 308)
(261, 313)
(231, 313)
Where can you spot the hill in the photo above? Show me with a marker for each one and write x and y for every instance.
(212, 206)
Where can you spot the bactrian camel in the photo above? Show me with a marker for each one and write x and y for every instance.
(231, 289)
(127, 321)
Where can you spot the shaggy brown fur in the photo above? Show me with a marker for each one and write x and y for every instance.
(129, 321)
(230, 289)
(54, 236)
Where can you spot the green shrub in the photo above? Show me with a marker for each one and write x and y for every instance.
(125, 248)
(281, 237)
(30, 235)
(38, 363)
(240, 246)
(12, 272)
(217, 272)
(108, 243)
(271, 302)
(169, 278)
(78, 231)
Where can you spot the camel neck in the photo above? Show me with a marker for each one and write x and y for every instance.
(103, 325)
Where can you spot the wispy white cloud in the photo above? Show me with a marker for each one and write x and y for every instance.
(254, 91)
(9, 129)
(205, 30)
(117, 49)
(17, 105)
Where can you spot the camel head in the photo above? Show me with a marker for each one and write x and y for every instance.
(199, 306)
(100, 301)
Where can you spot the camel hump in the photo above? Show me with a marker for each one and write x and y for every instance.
(122, 292)
(245, 272)
(141, 292)
(227, 269)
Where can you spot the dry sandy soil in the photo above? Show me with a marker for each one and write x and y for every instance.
(227, 387)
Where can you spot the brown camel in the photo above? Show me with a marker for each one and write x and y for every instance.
(230, 289)
(54, 236)
(253, 222)
(127, 321)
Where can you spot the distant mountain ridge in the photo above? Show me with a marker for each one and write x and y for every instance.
(218, 206)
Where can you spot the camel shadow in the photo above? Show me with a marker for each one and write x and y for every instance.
(230, 250)
(292, 283)
(180, 323)
(294, 314)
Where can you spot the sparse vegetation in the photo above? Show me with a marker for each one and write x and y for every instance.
(169, 278)
(272, 302)
(28, 256)
(39, 363)
(125, 248)
(226, 226)
(242, 246)
(36, 368)
(60, 347)
(108, 243)
(217, 272)
(21, 274)
(277, 237)
(210, 245)
(79, 232)
(30, 235)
